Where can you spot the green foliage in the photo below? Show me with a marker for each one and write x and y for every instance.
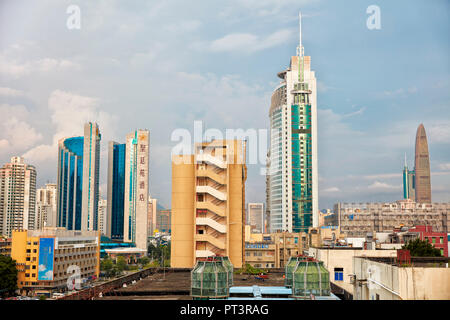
(144, 260)
(42, 297)
(8, 275)
(248, 269)
(158, 252)
(121, 264)
(421, 248)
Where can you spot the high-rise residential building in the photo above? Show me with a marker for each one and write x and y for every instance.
(293, 148)
(46, 206)
(208, 203)
(17, 196)
(409, 191)
(78, 180)
(255, 217)
(151, 216)
(116, 190)
(422, 167)
(128, 174)
(102, 214)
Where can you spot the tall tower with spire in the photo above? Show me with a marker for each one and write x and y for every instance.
(293, 176)
(422, 167)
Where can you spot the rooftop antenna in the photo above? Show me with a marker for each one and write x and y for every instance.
(405, 161)
(300, 49)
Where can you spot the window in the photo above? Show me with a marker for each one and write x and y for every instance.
(434, 240)
(442, 252)
(338, 274)
(441, 240)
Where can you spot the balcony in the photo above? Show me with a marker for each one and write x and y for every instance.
(204, 253)
(214, 192)
(212, 240)
(210, 173)
(219, 210)
(212, 160)
(211, 223)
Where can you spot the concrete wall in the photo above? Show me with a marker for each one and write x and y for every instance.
(183, 197)
(388, 282)
(343, 258)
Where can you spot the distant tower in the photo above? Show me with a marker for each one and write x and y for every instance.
(422, 167)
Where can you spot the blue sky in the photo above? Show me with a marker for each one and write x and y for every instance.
(161, 65)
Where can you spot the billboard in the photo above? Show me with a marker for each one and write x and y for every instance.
(46, 255)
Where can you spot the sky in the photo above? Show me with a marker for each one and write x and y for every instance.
(161, 65)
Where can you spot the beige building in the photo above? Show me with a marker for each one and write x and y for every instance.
(208, 203)
(325, 236)
(47, 258)
(17, 196)
(46, 206)
(273, 250)
(379, 279)
(151, 216)
(339, 261)
(357, 219)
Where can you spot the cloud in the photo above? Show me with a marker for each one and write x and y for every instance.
(400, 92)
(16, 133)
(332, 189)
(8, 92)
(18, 69)
(444, 166)
(381, 186)
(69, 112)
(249, 43)
(439, 132)
(42, 267)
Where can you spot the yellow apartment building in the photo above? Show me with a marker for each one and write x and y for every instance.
(208, 203)
(45, 259)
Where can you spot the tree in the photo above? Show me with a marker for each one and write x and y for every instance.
(8, 275)
(107, 266)
(121, 264)
(144, 261)
(421, 248)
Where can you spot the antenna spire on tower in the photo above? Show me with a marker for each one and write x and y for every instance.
(300, 50)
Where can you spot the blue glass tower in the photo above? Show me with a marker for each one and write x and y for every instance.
(116, 190)
(70, 182)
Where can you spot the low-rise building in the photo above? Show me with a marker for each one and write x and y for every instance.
(380, 279)
(340, 264)
(357, 219)
(46, 258)
(273, 250)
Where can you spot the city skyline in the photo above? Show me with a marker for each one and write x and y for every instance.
(364, 124)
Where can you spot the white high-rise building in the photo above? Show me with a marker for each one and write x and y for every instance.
(293, 176)
(255, 217)
(46, 206)
(17, 196)
(102, 214)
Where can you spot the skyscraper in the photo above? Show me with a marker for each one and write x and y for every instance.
(208, 203)
(116, 190)
(17, 196)
(128, 172)
(77, 180)
(136, 188)
(422, 167)
(91, 175)
(409, 191)
(293, 148)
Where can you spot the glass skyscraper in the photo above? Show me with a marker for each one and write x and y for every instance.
(77, 180)
(70, 183)
(127, 218)
(116, 190)
(293, 177)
